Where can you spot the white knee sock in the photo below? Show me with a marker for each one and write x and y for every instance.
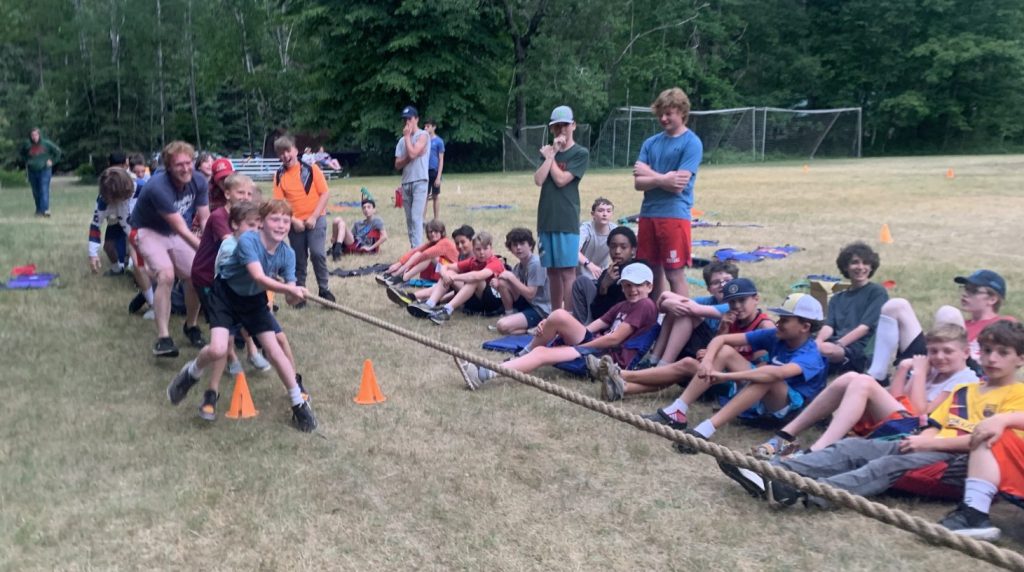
(887, 341)
(978, 494)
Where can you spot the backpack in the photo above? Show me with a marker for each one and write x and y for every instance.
(305, 175)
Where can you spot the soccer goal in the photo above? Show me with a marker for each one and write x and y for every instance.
(738, 134)
(523, 153)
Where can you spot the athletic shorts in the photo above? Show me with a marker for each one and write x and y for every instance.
(853, 360)
(867, 425)
(795, 402)
(354, 249)
(166, 252)
(533, 317)
(559, 249)
(699, 340)
(588, 351)
(1009, 452)
(227, 309)
(113, 232)
(133, 240)
(431, 189)
(487, 304)
(664, 242)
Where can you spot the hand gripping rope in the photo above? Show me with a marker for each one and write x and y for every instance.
(928, 531)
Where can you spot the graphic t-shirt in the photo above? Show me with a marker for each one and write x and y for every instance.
(971, 403)
(641, 315)
(159, 197)
(558, 209)
(664, 153)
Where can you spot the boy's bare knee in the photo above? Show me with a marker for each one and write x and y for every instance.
(896, 306)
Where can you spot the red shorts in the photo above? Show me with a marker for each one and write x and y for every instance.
(664, 242)
(354, 249)
(1009, 452)
(867, 425)
(133, 240)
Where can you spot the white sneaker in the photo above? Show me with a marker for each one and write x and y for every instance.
(149, 315)
(235, 367)
(259, 362)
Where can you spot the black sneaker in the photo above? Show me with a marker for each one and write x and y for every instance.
(382, 279)
(239, 342)
(302, 417)
(137, 303)
(970, 522)
(751, 482)
(179, 386)
(164, 347)
(393, 281)
(660, 416)
(684, 449)
(336, 250)
(302, 388)
(326, 295)
(420, 309)
(208, 410)
(398, 297)
(194, 335)
(782, 495)
(114, 272)
(300, 305)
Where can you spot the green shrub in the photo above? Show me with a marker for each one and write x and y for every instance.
(13, 178)
(86, 174)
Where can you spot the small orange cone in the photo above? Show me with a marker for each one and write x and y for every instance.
(241, 401)
(950, 174)
(369, 391)
(806, 167)
(886, 236)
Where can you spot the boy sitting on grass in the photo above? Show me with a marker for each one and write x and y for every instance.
(743, 316)
(869, 467)
(240, 296)
(365, 237)
(422, 260)
(605, 335)
(858, 403)
(524, 289)
(592, 298)
(469, 280)
(794, 373)
(852, 313)
(594, 235)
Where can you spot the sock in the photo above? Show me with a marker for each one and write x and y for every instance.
(887, 340)
(705, 428)
(678, 406)
(785, 436)
(295, 395)
(117, 267)
(485, 374)
(523, 351)
(448, 309)
(978, 494)
(430, 303)
(193, 370)
(661, 363)
(148, 294)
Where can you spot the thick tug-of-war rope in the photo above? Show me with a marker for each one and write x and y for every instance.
(927, 530)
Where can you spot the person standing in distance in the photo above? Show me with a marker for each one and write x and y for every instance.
(412, 158)
(40, 155)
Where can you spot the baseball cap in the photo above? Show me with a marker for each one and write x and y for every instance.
(409, 111)
(561, 114)
(738, 288)
(986, 278)
(221, 168)
(636, 273)
(801, 306)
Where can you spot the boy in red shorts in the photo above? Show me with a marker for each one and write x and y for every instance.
(665, 172)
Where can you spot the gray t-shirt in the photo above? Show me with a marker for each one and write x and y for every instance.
(415, 170)
(851, 308)
(533, 274)
(594, 246)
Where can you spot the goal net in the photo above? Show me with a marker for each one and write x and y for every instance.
(523, 153)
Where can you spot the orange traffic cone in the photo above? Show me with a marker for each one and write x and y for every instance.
(369, 391)
(886, 236)
(241, 401)
(950, 174)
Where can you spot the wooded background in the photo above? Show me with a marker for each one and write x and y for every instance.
(931, 75)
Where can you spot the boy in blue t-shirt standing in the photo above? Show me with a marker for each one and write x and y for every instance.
(239, 296)
(665, 171)
(435, 166)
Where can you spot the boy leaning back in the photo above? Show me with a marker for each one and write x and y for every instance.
(665, 172)
(240, 297)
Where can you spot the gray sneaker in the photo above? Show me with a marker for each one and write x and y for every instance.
(613, 387)
(595, 367)
(179, 386)
(440, 317)
(420, 310)
(259, 362)
(470, 374)
(235, 368)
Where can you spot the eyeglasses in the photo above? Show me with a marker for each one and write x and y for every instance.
(719, 282)
(972, 290)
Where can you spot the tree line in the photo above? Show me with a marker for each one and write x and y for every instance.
(931, 75)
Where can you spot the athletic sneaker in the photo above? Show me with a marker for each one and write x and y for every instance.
(382, 279)
(684, 449)
(235, 367)
(114, 272)
(440, 317)
(399, 297)
(336, 250)
(470, 373)
(164, 347)
(782, 495)
(645, 363)
(208, 410)
(420, 310)
(326, 295)
(137, 303)
(595, 366)
(194, 335)
(303, 418)
(660, 416)
(751, 482)
(970, 522)
(613, 387)
(259, 362)
(179, 386)
(149, 315)
(776, 447)
(302, 388)
(393, 280)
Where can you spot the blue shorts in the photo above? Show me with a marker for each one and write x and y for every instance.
(795, 398)
(588, 351)
(559, 249)
(533, 317)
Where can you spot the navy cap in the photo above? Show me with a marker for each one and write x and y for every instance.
(409, 111)
(738, 288)
(986, 278)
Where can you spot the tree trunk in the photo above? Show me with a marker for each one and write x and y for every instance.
(160, 74)
(191, 47)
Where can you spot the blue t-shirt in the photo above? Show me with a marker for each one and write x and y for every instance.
(663, 154)
(813, 366)
(436, 148)
(720, 306)
(250, 249)
(158, 197)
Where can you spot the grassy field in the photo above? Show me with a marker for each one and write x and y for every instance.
(98, 471)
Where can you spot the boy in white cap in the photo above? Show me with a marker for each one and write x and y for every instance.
(605, 335)
(558, 210)
(795, 372)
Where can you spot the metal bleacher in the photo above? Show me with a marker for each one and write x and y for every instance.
(260, 169)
